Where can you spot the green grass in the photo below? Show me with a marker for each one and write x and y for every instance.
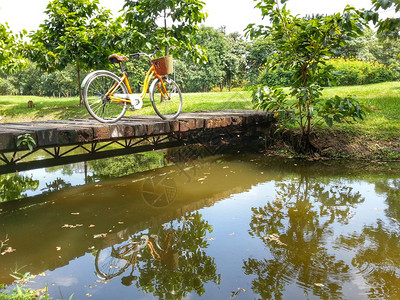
(381, 100)
(15, 108)
(382, 103)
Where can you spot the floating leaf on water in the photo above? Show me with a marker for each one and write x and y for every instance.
(74, 213)
(58, 248)
(91, 226)
(8, 250)
(234, 294)
(39, 292)
(114, 267)
(102, 281)
(101, 235)
(319, 284)
(71, 226)
(201, 179)
(120, 223)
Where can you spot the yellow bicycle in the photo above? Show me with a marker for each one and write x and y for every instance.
(107, 96)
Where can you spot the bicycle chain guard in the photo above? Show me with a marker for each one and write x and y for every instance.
(136, 101)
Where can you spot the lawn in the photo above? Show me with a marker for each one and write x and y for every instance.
(15, 108)
(382, 102)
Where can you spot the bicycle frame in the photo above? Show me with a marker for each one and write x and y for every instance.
(151, 73)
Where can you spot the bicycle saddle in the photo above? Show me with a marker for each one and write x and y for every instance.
(115, 58)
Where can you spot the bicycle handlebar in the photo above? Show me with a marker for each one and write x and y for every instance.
(149, 56)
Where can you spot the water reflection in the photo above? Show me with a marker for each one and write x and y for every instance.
(246, 227)
(295, 227)
(168, 262)
(390, 188)
(14, 186)
(105, 213)
(377, 258)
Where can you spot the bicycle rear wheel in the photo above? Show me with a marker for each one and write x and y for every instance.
(168, 108)
(97, 101)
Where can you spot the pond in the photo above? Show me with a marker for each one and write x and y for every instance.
(178, 225)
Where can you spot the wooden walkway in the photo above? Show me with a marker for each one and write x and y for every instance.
(89, 134)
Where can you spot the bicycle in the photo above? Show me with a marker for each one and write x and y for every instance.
(106, 95)
(113, 261)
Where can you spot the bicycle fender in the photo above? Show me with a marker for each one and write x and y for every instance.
(91, 74)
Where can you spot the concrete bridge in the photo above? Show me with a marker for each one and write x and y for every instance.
(63, 142)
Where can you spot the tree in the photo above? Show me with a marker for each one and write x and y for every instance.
(10, 55)
(233, 58)
(389, 26)
(303, 46)
(76, 32)
(180, 23)
(258, 52)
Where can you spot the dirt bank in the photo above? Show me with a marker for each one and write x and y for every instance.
(339, 145)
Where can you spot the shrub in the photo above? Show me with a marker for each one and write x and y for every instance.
(357, 72)
(7, 88)
(279, 76)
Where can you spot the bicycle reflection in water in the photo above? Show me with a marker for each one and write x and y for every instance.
(113, 261)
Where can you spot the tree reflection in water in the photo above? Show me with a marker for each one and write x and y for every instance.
(169, 261)
(296, 227)
(377, 247)
(14, 186)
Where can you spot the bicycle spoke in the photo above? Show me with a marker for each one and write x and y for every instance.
(98, 104)
(166, 99)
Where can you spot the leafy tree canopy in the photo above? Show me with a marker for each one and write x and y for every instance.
(10, 56)
(180, 19)
(303, 46)
(386, 27)
(75, 32)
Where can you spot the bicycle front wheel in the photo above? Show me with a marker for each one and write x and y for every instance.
(97, 100)
(166, 98)
(109, 264)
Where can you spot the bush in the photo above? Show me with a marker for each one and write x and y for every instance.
(7, 88)
(357, 72)
(279, 77)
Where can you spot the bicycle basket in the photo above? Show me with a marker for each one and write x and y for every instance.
(164, 65)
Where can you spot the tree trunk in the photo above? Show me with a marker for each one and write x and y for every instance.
(165, 31)
(299, 142)
(78, 70)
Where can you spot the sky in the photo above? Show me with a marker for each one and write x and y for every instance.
(234, 14)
